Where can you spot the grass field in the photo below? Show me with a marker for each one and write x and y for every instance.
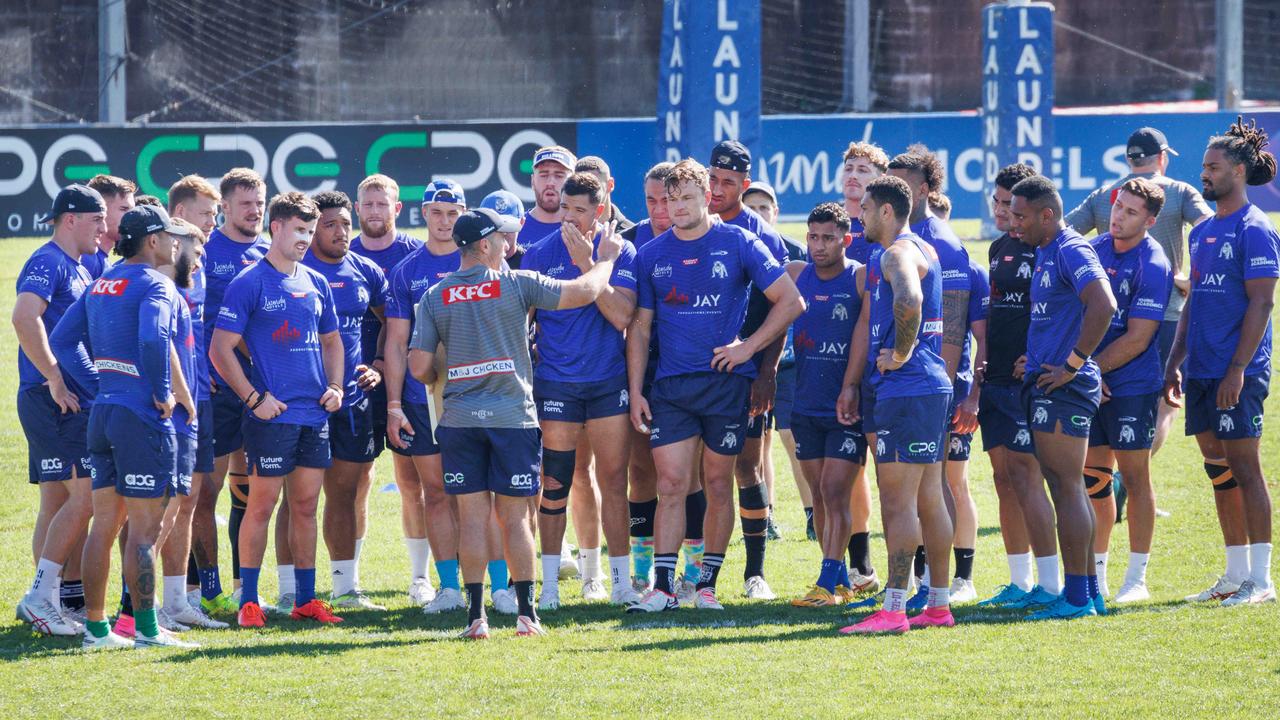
(1159, 659)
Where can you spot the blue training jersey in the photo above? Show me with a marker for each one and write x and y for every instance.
(578, 345)
(924, 373)
(859, 249)
(58, 279)
(386, 258)
(952, 256)
(195, 299)
(224, 259)
(979, 301)
(130, 315)
(1225, 253)
(1063, 269)
(532, 230)
(697, 290)
(821, 337)
(408, 282)
(187, 346)
(643, 233)
(357, 285)
(281, 318)
(1141, 280)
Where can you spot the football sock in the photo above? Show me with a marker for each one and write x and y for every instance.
(304, 580)
(589, 563)
(146, 622)
(1077, 589)
(1020, 574)
(498, 577)
(286, 580)
(1260, 564)
(619, 571)
(895, 600)
(642, 556)
(1137, 570)
(964, 563)
(711, 563)
(448, 572)
(210, 583)
(419, 557)
(524, 599)
(664, 570)
(550, 575)
(1047, 574)
(46, 580)
(693, 551)
(342, 576)
(175, 591)
(1237, 563)
(72, 594)
(475, 601)
(830, 574)
(939, 597)
(249, 585)
(1100, 569)
(859, 552)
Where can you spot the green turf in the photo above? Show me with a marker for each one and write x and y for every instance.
(1162, 658)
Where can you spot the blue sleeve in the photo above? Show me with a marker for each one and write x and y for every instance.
(70, 344)
(40, 277)
(624, 268)
(644, 284)
(155, 318)
(760, 265)
(328, 321)
(399, 297)
(774, 242)
(377, 285)
(955, 268)
(237, 304)
(1261, 251)
(1154, 285)
(1078, 263)
(979, 292)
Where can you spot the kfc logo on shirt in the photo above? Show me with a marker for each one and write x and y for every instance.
(471, 293)
(114, 288)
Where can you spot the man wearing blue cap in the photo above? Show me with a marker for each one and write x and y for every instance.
(505, 203)
(53, 278)
(552, 165)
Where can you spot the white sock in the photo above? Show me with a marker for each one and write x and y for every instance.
(939, 597)
(619, 571)
(1020, 570)
(925, 581)
(175, 591)
(419, 557)
(1137, 570)
(1260, 564)
(589, 563)
(895, 600)
(1100, 569)
(1047, 574)
(45, 585)
(355, 569)
(287, 583)
(566, 554)
(57, 589)
(342, 573)
(1237, 563)
(550, 574)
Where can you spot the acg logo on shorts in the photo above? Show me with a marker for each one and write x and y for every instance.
(471, 293)
(455, 479)
(522, 480)
(50, 464)
(140, 480)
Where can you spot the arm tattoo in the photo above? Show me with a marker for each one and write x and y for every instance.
(955, 317)
(906, 300)
(900, 568)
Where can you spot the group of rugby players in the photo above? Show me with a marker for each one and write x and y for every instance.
(664, 356)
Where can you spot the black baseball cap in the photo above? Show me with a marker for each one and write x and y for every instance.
(143, 220)
(1147, 142)
(731, 155)
(476, 225)
(75, 198)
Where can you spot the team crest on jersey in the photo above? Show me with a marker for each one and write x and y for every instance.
(1124, 286)
(718, 270)
(1045, 281)
(362, 295)
(1227, 252)
(839, 312)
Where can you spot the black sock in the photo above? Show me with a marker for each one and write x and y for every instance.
(964, 563)
(475, 601)
(808, 515)
(860, 552)
(524, 598)
(711, 563)
(193, 571)
(920, 561)
(695, 509)
(72, 595)
(239, 503)
(755, 556)
(642, 517)
(664, 571)
(126, 602)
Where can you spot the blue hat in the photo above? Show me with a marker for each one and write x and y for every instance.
(504, 202)
(731, 155)
(75, 199)
(476, 225)
(444, 191)
(555, 154)
(143, 220)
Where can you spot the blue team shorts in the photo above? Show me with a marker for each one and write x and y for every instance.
(912, 429)
(505, 461)
(818, 438)
(709, 405)
(867, 407)
(131, 456)
(378, 406)
(1244, 420)
(785, 401)
(351, 435)
(187, 450)
(959, 446)
(55, 442)
(204, 436)
(228, 421)
(1070, 407)
(1125, 423)
(579, 402)
(274, 449)
(1003, 419)
(420, 443)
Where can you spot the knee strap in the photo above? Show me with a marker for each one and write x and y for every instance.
(557, 465)
(1097, 482)
(753, 508)
(1220, 475)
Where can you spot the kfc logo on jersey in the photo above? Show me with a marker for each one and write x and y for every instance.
(114, 288)
(472, 293)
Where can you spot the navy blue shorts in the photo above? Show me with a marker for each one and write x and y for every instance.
(506, 461)
(1125, 423)
(1244, 420)
(578, 402)
(351, 435)
(420, 443)
(757, 425)
(958, 446)
(228, 421)
(1070, 407)
(784, 401)
(710, 405)
(138, 460)
(867, 407)
(274, 449)
(378, 406)
(818, 438)
(912, 429)
(186, 453)
(55, 442)
(1003, 419)
(204, 436)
